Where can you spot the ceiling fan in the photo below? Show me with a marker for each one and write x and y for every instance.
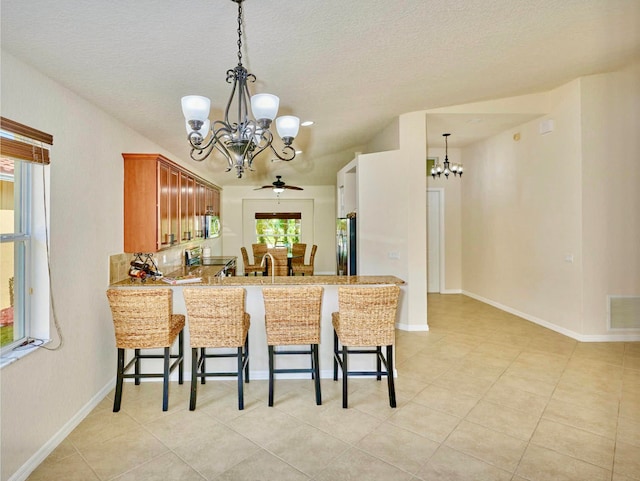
(278, 186)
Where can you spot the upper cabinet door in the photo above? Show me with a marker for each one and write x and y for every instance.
(140, 203)
(168, 205)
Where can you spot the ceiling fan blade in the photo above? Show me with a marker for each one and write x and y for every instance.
(264, 187)
(292, 187)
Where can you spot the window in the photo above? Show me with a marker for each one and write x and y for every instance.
(14, 249)
(278, 229)
(24, 283)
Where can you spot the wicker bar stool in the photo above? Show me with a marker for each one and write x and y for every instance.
(144, 319)
(217, 319)
(292, 317)
(366, 317)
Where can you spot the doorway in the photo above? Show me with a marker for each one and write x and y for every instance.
(435, 240)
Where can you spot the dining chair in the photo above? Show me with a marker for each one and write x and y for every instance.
(259, 250)
(298, 251)
(292, 318)
(366, 317)
(306, 268)
(249, 268)
(144, 319)
(281, 260)
(217, 320)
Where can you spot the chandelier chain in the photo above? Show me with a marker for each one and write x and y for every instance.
(239, 33)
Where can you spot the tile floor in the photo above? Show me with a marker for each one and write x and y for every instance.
(483, 395)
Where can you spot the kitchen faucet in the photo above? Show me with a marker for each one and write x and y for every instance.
(273, 265)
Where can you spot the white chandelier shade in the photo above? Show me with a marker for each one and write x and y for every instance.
(196, 107)
(287, 126)
(265, 106)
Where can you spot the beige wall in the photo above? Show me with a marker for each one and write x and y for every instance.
(611, 191)
(392, 216)
(45, 391)
(548, 230)
(521, 215)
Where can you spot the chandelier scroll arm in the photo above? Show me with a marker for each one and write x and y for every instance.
(288, 152)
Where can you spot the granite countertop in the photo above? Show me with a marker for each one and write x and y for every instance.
(209, 275)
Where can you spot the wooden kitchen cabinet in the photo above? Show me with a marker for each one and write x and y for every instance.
(162, 203)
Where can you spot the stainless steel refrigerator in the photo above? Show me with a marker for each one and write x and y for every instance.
(346, 245)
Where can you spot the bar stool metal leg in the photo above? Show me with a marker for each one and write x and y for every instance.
(194, 379)
(271, 369)
(316, 375)
(136, 355)
(203, 361)
(246, 361)
(390, 381)
(335, 355)
(119, 379)
(240, 372)
(165, 379)
(345, 376)
(181, 356)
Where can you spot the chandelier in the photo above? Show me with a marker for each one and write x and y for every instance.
(241, 139)
(446, 169)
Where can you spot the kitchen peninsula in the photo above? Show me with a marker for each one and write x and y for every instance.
(210, 277)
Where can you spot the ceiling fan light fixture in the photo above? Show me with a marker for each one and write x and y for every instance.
(279, 186)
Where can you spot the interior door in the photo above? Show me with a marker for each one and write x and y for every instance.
(433, 240)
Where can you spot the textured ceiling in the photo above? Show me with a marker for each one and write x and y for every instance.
(350, 66)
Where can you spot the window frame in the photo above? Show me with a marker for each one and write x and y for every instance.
(280, 216)
(28, 146)
(21, 238)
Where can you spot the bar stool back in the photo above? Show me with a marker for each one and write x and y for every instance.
(144, 319)
(292, 317)
(366, 318)
(217, 319)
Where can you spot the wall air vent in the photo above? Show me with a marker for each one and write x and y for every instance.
(624, 312)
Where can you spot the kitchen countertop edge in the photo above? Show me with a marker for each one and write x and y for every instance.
(209, 276)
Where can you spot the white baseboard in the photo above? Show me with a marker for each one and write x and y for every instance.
(47, 448)
(451, 291)
(413, 327)
(614, 337)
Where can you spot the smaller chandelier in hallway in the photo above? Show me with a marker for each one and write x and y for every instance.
(446, 169)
